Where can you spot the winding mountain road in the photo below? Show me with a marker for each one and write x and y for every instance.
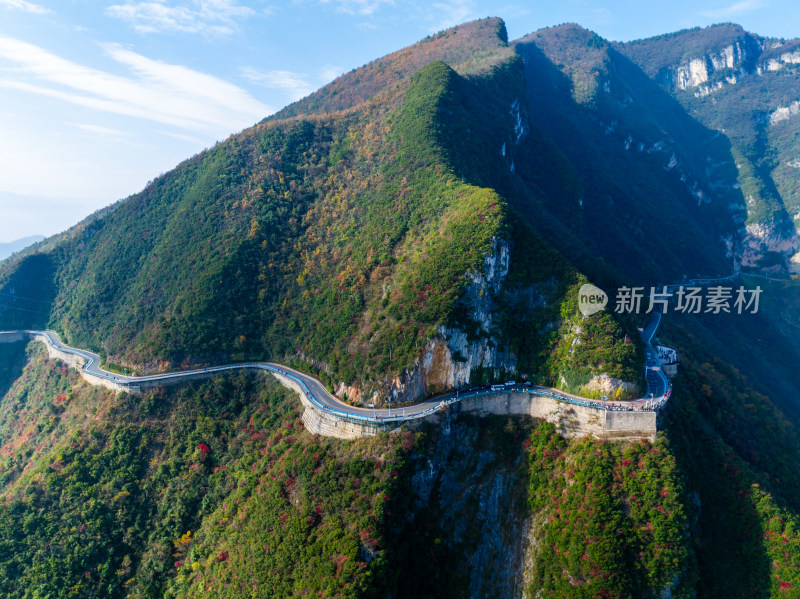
(316, 393)
(658, 392)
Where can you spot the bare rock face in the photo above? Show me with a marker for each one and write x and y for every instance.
(794, 264)
(784, 113)
(474, 493)
(763, 238)
(350, 392)
(696, 73)
(448, 360)
(608, 385)
(692, 74)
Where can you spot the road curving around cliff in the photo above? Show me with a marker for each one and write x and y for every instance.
(88, 363)
(330, 412)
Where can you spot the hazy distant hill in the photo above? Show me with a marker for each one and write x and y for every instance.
(419, 224)
(8, 248)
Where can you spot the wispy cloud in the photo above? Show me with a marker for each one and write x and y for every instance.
(209, 17)
(183, 137)
(23, 5)
(99, 130)
(329, 72)
(358, 7)
(156, 91)
(451, 13)
(732, 10)
(295, 85)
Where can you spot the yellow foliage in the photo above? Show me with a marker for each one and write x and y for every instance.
(255, 229)
(184, 540)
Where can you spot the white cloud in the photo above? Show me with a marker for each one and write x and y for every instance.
(165, 93)
(209, 17)
(26, 6)
(358, 7)
(329, 72)
(451, 13)
(735, 9)
(295, 85)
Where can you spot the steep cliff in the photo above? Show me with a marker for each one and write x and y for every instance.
(450, 358)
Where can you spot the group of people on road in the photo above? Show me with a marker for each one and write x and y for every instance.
(649, 406)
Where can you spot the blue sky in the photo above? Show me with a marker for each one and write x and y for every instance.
(99, 96)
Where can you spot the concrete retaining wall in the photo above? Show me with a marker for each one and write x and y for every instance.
(631, 425)
(320, 422)
(69, 359)
(12, 337)
(570, 420)
(77, 362)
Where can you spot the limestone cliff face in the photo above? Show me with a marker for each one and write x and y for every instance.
(697, 73)
(771, 245)
(448, 360)
(779, 60)
(713, 70)
(784, 113)
(763, 238)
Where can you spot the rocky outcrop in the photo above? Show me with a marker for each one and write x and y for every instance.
(348, 392)
(717, 68)
(784, 113)
(763, 238)
(471, 493)
(697, 73)
(449, 359)
(780, 61)
(692, 74)
(609, 385)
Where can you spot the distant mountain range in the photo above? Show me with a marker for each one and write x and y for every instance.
(8, 248)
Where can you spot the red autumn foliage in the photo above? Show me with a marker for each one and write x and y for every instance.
(204, 449)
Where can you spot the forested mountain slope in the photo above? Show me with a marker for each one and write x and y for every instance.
(420, 224)
(357, 242)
